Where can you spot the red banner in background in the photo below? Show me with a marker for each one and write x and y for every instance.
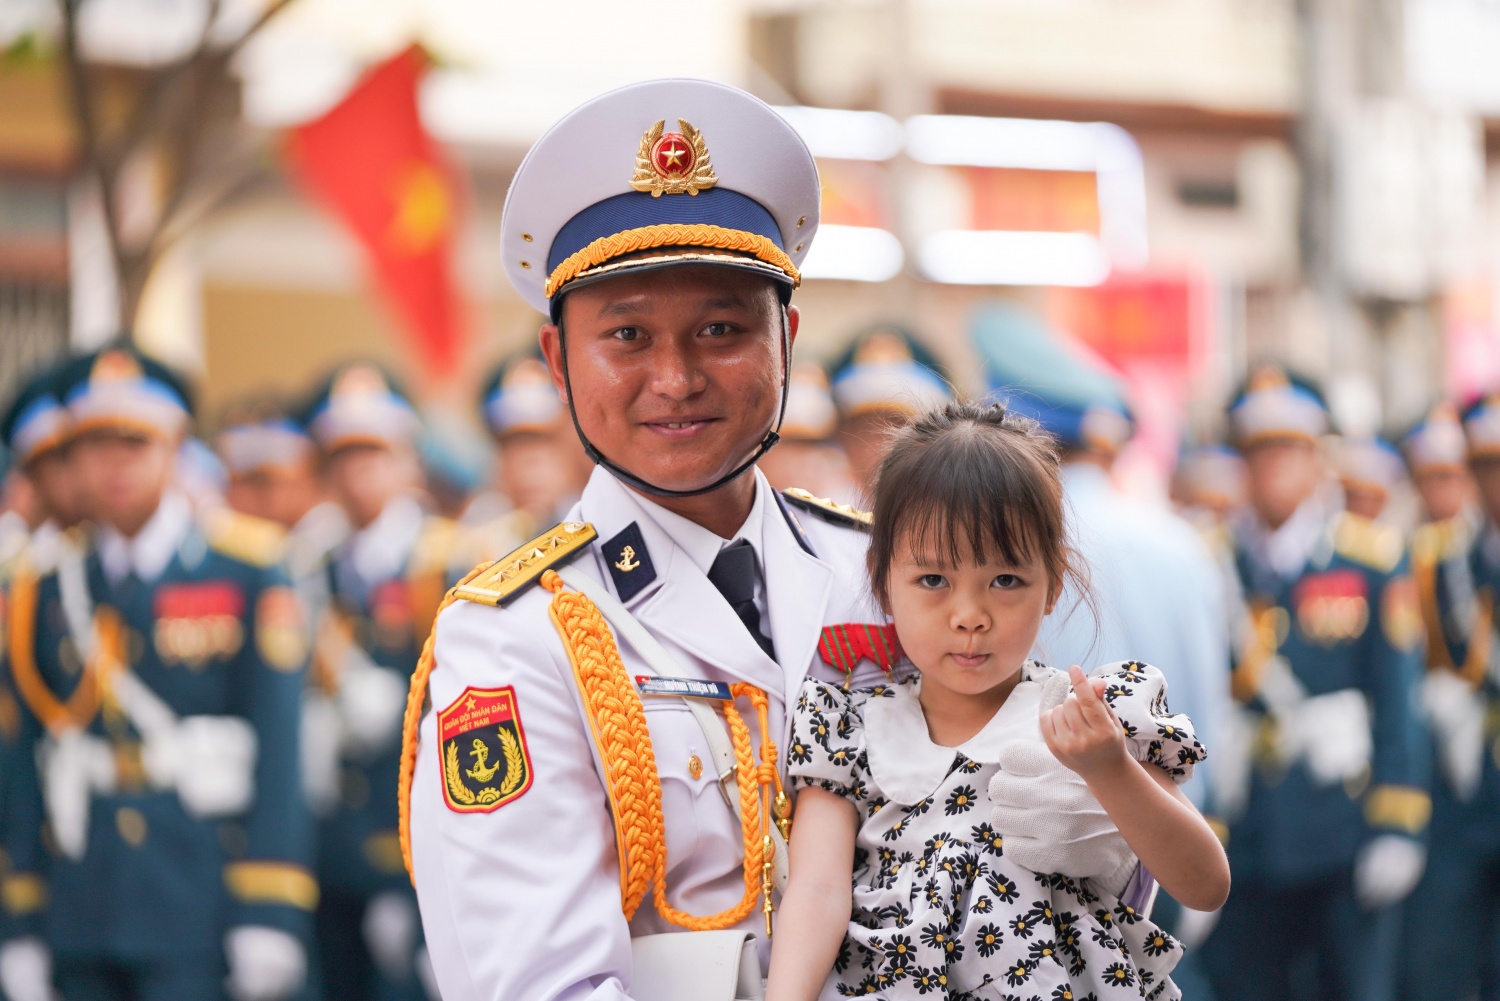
(373, 164)
(1129, 320)
(1156, 330)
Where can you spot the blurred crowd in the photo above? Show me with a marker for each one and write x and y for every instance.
(210, 622)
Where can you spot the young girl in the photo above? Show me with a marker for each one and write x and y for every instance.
(967, 556)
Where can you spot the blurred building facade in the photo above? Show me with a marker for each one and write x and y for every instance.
(1315, 181)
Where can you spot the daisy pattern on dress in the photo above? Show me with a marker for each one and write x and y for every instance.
(938, 908)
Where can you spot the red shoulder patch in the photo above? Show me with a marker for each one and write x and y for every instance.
(483, 752)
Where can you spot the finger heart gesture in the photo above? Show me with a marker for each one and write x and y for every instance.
(1083, 732)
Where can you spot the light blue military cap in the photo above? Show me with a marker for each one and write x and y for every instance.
(887, 369)
(120, 389)
(657, 174)
(810, 413)
(361, 405)
(1370, 462)
(1274, 406)
(1031, 370)
(1437, 442)
(36, 422)
(519, 397)
(1481, 421)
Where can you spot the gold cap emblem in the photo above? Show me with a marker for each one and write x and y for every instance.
(673, 163)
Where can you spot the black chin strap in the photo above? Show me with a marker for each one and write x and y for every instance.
(771, 438)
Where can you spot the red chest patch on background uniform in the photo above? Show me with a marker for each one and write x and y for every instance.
(1332, 607)
(196, 623)
(483, 752)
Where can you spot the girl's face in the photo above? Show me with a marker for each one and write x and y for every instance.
(967, 628)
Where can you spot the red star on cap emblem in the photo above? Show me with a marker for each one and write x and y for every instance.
(672, 155)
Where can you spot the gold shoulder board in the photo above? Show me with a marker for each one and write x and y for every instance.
(245, 538)
(1363, 541)
(504, 579)
(832, 511)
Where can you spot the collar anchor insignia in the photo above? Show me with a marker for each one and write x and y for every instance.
(627, 561)
(673, 163)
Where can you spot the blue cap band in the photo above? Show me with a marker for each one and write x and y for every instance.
(637, 209)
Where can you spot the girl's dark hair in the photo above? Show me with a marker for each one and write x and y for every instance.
(966, 479)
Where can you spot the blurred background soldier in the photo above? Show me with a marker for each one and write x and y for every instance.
(1370, 470)
(1451, 944)
(1437, 455)
(807, 455)
(36, 430)
(539, 466)
(161, 677)
(271, 462)
(386, 580)
(1325, 828)
(1208, 485)
(883, 377)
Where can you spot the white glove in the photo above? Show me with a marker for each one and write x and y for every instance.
(390, 930)
(1456, 712)
(74, 765)
(214, 758)
(1332, 732)
(1052, 823)
(26, 970)
(265, 964)
(1387, 869)
(1231, 764)
(371, 703)
(1194, 927)
(320, 753)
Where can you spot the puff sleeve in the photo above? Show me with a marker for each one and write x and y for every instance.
(1137, 692)
(827, 748)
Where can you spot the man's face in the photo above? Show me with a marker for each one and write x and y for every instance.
(55, 480)
(1445, 492)
(540, 470)
(676, 374)
(1282, 473)
(365, 478)
(1487, 479)
(123, 476)
(283, 496)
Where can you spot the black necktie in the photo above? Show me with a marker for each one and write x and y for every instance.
(734, 573)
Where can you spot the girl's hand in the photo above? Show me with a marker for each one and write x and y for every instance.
(1083, 732)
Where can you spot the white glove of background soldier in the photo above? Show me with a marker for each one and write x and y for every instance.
(265, 964)
(390, 931)
(26, 970)
(1049, 820)
(1387, 869)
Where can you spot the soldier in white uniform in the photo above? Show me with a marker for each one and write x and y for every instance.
(563, 797)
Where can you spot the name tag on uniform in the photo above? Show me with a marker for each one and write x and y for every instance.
(691, 688)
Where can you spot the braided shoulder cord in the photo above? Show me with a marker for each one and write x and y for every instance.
(634, 785)
(411, 721)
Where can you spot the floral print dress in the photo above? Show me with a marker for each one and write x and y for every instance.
(938, 908)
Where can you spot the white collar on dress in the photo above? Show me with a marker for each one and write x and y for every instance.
(905, 763)
(149, 552)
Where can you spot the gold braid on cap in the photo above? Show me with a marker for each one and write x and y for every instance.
(701, 235)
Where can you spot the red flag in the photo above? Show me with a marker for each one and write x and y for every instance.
(373, 164)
